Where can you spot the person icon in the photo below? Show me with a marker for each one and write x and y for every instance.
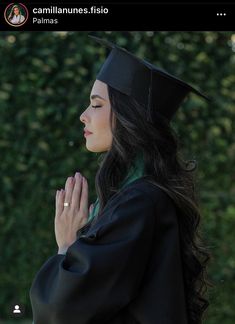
(17, 309)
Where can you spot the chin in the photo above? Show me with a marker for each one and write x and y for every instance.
(95, 149)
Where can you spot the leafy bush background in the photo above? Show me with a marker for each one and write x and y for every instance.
(46, 78)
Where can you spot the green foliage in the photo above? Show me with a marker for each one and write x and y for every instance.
(46, 78)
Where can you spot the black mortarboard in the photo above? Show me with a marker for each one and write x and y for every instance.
(151, 86)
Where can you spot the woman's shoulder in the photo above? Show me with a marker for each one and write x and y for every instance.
(147, 189)
(140, 199)
(148, 194)
(151, 198)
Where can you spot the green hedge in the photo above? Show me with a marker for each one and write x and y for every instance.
(46, 78)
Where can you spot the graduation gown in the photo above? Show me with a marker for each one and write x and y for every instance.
(124, 269)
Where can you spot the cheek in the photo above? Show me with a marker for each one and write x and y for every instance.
(102, 122)
(102, 137)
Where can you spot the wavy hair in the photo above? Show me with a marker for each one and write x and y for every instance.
(11, 15)
(166, 168)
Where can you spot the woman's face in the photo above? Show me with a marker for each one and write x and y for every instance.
(16, 11)
(96, 120)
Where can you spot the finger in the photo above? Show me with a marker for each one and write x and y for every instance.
(59, 202)
(75, 200)
(69, 189)
(84, 196)
(91, 208)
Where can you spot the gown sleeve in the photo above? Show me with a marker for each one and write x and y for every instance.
(101, 272)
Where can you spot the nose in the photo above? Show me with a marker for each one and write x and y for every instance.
(83, 118)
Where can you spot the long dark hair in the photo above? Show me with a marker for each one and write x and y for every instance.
(158, 142)
(11, 15)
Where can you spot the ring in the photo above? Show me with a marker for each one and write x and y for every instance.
(66, 204)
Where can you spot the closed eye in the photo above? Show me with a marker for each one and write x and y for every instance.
(95, 106)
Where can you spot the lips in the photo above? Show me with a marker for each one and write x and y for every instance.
(87, 132)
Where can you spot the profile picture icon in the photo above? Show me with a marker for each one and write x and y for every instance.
(16, 14)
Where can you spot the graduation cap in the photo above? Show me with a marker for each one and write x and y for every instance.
(154, 88)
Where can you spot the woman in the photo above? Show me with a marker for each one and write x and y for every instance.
(137, 256)
(15, 16)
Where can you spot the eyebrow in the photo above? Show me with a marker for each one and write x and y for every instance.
(97, 96)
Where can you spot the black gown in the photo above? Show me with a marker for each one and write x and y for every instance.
(125, 269)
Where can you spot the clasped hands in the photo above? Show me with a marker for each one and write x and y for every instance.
(69, 219)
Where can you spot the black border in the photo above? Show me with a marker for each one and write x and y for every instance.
(129, 16)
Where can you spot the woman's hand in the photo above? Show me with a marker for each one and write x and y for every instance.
(69, 219)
